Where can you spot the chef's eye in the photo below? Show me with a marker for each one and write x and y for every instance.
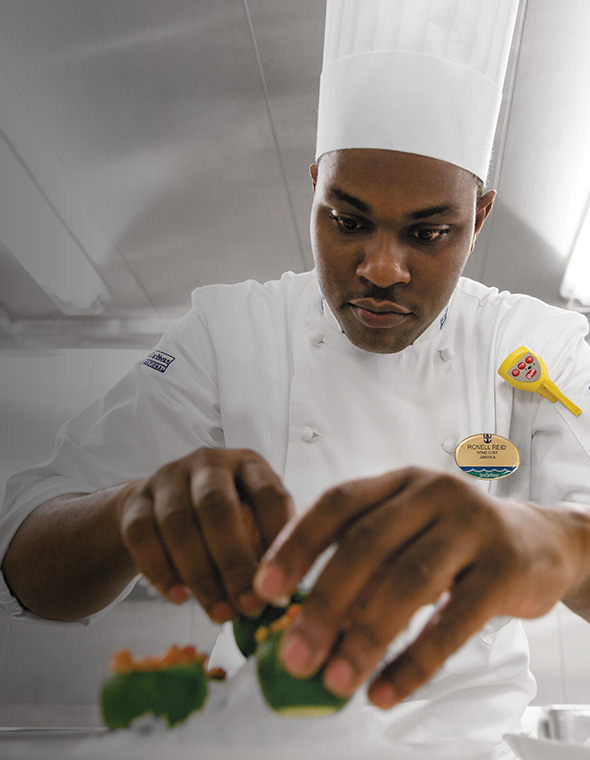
(347, 224)
(429, 234)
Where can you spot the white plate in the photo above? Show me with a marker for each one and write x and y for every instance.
(528, 748)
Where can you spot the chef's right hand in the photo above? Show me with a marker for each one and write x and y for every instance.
(200, 524)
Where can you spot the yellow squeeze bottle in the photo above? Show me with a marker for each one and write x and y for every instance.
(525, 370)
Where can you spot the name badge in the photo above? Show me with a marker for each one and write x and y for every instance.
(487, 456)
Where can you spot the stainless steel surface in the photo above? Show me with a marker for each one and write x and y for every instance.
(10, 733)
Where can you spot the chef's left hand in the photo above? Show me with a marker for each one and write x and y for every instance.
(403, 539)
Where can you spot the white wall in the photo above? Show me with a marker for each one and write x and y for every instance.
(50, 675)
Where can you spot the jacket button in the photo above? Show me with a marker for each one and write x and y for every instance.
(447, 354)
(448, 445)
(316, 338)
(307, 433)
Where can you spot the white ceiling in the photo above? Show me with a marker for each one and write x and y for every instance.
(168, 143)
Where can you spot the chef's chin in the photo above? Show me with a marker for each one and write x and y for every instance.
(385, 339)
(378, 341)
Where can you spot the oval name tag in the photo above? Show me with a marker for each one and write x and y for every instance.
(487, 456)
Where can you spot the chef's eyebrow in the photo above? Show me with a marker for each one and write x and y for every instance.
(422, 213)
(352, 200)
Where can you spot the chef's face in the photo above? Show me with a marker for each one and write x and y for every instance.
(391, 233)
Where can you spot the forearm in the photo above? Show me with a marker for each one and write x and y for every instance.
(67, 559)
(576, 520)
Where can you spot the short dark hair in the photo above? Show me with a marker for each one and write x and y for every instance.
(478, 186)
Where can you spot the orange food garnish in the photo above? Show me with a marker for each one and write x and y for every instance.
(278, 625)
(217, 674)
(124, 662)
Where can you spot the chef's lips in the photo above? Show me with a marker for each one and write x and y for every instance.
(378, 313)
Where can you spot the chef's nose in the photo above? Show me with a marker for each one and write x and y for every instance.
(384, 262)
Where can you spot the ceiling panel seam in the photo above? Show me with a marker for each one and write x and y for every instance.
(17, 97)
(274, 133)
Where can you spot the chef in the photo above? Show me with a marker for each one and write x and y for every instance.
(348, 409)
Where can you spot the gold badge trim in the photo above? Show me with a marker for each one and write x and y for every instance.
(487, 456)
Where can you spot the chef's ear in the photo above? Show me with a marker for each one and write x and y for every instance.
(484, 206)
(313, 170)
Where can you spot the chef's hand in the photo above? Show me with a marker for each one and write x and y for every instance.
(200, 525)
(403, 540)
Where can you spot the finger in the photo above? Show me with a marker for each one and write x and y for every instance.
(223, 525)
(253, 530)
(140, 536)
(184, 544)
(465, 614)
(416, 576)
(302, 540)
(366, 553)
(262, 489)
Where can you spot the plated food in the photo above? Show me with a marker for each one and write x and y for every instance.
(245, 627)
(170, 686)
(175, 684)
(287, 695)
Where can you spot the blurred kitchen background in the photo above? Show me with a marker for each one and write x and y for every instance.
(151, 146)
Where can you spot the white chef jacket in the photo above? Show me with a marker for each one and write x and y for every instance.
(267, 367)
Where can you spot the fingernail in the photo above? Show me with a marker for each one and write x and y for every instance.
(383, 695)
(296, 654)
(250, 603)
(178, 594)
(221, 612)
(339, 677)
(283, 601)
(270, 582)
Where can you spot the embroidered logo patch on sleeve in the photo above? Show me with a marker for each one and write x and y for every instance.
(159, 361)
